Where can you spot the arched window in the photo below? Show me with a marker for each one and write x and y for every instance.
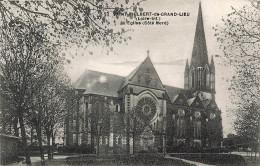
(119, 140)
(86, 107)
(103, 140)
(197, 129)
(199, 70)
(207, 77)
(192, 79)
(173, 116)
(181, 127)
(117, 108)
(212, 81)
(74, 140)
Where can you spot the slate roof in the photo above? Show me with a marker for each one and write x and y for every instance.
(173, 92)
(190, 101)
(94, 82)
(100, 83)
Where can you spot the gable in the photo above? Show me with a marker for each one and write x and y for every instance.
(180, 100)
(212, 105)
(197, 103)
(144, 75)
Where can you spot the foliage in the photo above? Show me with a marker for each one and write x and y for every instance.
(82, 149)
(32, 35)
(27, 62)
(138, 121)
(73, 23)
(100, 119)
(247, 122)
(239, 40)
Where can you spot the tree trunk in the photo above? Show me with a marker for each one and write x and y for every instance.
(4, 127)
(39, 137)
(53, 144)
(25, 147)
(98, 145)
(258, 136)
(128, 143)
(108, 142)
(16, 130)
(31, 135)
(133, 143)
(128, 138)
(49, 144)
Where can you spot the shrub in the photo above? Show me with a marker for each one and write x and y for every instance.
(82, 149)
(215, 150)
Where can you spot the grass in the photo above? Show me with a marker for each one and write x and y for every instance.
(214, 158)
(112, 160)
(251, 161)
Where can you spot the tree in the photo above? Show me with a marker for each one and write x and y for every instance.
(136, 123)
(239, 40)
(8, 118)
(53, 114)
(26, 62)
(33, 31)
(100, 120)
(75, 23)
(47, 117)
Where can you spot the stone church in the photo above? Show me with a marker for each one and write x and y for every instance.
(138, 112)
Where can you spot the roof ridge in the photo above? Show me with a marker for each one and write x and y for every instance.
(103, 73)
(173, 86)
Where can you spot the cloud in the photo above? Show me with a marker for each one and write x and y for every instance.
(125, 63)
(178, 62)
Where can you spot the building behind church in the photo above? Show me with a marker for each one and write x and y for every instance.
(139, 112)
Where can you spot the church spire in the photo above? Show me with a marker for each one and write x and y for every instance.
(212, 65)
(187, 68)
(199, 53)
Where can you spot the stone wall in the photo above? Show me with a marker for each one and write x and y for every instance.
(9, 147)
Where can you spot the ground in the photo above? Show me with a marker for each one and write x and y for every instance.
(140, 159)
(107, 160)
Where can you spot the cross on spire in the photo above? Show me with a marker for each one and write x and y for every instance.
(148, 52)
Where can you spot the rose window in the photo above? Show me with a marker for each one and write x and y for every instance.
(181, 112)
(146, 109)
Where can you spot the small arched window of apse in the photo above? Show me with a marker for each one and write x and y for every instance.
(117, 108)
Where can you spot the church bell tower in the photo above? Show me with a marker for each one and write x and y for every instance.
(200, 74)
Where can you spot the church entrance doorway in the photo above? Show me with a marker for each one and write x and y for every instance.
(147, 139)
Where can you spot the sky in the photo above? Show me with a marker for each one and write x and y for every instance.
(169, 47)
